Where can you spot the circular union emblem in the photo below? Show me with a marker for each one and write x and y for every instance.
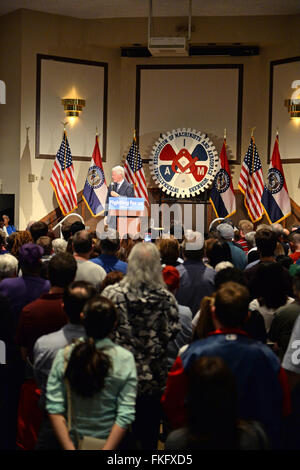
(222, 181)
(274, 181)
(95, 177)
(184, 162)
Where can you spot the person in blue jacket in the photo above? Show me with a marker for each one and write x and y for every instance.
(7, 227)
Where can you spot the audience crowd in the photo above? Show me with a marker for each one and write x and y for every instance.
(189, 343)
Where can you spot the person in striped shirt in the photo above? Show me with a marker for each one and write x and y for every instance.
(245, 226)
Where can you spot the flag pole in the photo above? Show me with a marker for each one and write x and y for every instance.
(135, 157)
(253, 143)
(65, 159)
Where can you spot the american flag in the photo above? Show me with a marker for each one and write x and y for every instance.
(134, 172)
(251, 182)
(62, 178)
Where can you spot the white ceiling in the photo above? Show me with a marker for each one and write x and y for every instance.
(139, 8)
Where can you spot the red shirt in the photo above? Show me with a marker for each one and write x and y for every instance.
(295, 256)
(242, 241)
(40, 317)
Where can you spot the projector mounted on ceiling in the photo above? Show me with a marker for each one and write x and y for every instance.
(168, 47)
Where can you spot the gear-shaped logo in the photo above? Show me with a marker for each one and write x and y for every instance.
(184, 162)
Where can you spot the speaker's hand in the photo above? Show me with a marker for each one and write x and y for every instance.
(114, 194)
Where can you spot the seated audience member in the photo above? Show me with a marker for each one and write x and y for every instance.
(86, 270)
(45, 348)
(272, 291)
(21, 238)
(46, 314)
(110, 244)
(37, 230)
(102, 382)
(169, 249)
(294, 240)
(59, 245)
(266, 244)
(46, 243)
(196, 279)
(261, 383)
(22, 290)
(8, 266)
(245, 226)
(211, 409)
(184, 336)
(111, 278)
(219, 251)
(226, 232)
(284, 319)
(7, 227)
(148, 321)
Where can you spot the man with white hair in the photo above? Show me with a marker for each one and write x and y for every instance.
(118, 187)
(196, 279)
(8, 266)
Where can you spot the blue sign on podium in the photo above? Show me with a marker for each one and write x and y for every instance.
(126, 203)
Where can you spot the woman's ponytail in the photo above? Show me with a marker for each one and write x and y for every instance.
(87, 369)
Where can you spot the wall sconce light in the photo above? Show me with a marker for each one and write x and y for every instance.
(73, 107)
(293, 108)
(293, 104)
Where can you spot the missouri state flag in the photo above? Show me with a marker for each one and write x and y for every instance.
(222, 195)
(275, 198)
(95, 188)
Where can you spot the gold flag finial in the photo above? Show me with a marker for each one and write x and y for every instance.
(134, 134)
(252, 131)
(65, 124)
(225, 133)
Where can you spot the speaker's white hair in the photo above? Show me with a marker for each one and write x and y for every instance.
(144, 266)
(119, 169)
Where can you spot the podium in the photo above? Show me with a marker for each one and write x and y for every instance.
(125, 213)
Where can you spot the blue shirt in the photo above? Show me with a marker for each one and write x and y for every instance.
(46, 348)
(115, 403)
(196, 281)
(256, 370)
(239, 259)
(110, 263)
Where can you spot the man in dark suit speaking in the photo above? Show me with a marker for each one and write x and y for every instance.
(118, 187)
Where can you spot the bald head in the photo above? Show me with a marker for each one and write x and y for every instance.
(83, 242)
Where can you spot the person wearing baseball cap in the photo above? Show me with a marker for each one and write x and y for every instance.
(184, 336)
(226, 233)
